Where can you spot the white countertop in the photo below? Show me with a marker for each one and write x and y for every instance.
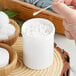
(70, 47)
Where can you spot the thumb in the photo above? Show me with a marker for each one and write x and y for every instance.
(62, 9)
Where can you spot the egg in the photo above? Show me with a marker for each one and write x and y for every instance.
(4, 57)
(4, 19)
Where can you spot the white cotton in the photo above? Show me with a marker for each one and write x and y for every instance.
(7, 31)
(37, 29)
(10, 30)
(4, 57)
(3, 30)
(3, 36)
(38, 43)
(4, 19)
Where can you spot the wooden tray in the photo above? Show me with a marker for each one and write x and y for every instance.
(27, 13)
(60, 65)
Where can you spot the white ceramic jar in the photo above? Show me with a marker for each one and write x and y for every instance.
(38, 50)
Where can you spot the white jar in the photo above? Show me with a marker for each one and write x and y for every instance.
(38, 50)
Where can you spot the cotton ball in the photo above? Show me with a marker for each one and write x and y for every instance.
(10, 30)
(37, 29)
(4, 30)
(3, 33)
(4, 19)
(3, 36)
(4, 57)
(7, 31)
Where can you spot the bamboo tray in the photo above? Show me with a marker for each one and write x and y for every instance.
(27, 13)
(60, 65)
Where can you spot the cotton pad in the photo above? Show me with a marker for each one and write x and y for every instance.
(4, 19)
(4, 57)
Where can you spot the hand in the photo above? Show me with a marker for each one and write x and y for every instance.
(69, 14)
(67, 2)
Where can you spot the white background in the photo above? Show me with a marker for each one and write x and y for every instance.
(70, 47)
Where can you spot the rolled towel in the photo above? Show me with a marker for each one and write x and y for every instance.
(44, 3)
(40, 3)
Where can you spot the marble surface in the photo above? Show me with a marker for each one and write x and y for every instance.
(70, 47)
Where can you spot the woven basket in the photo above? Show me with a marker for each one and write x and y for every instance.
(27, 11)
(5, 71)
(11, 40)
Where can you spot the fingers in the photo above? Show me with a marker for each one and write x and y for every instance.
(67, 30)
(75, 42)
(73, 3)
(69, 14)
(59, 0)
(68, 2)
(62, 9)
(68, 35)
(66, 26)
(55, 0)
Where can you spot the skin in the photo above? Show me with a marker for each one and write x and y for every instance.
(69, 14)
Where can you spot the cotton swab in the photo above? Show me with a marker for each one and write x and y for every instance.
(36, 13)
